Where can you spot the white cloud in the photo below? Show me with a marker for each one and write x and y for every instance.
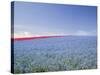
(28, 34)
(22, 34)
(84, 33)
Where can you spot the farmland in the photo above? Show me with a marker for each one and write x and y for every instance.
(55, 54)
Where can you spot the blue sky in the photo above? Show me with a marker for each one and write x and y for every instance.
(48, 19)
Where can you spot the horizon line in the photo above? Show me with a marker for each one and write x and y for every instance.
(42, 37)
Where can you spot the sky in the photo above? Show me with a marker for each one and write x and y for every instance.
(54, 19)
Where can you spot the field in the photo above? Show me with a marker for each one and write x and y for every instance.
(55, 54)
